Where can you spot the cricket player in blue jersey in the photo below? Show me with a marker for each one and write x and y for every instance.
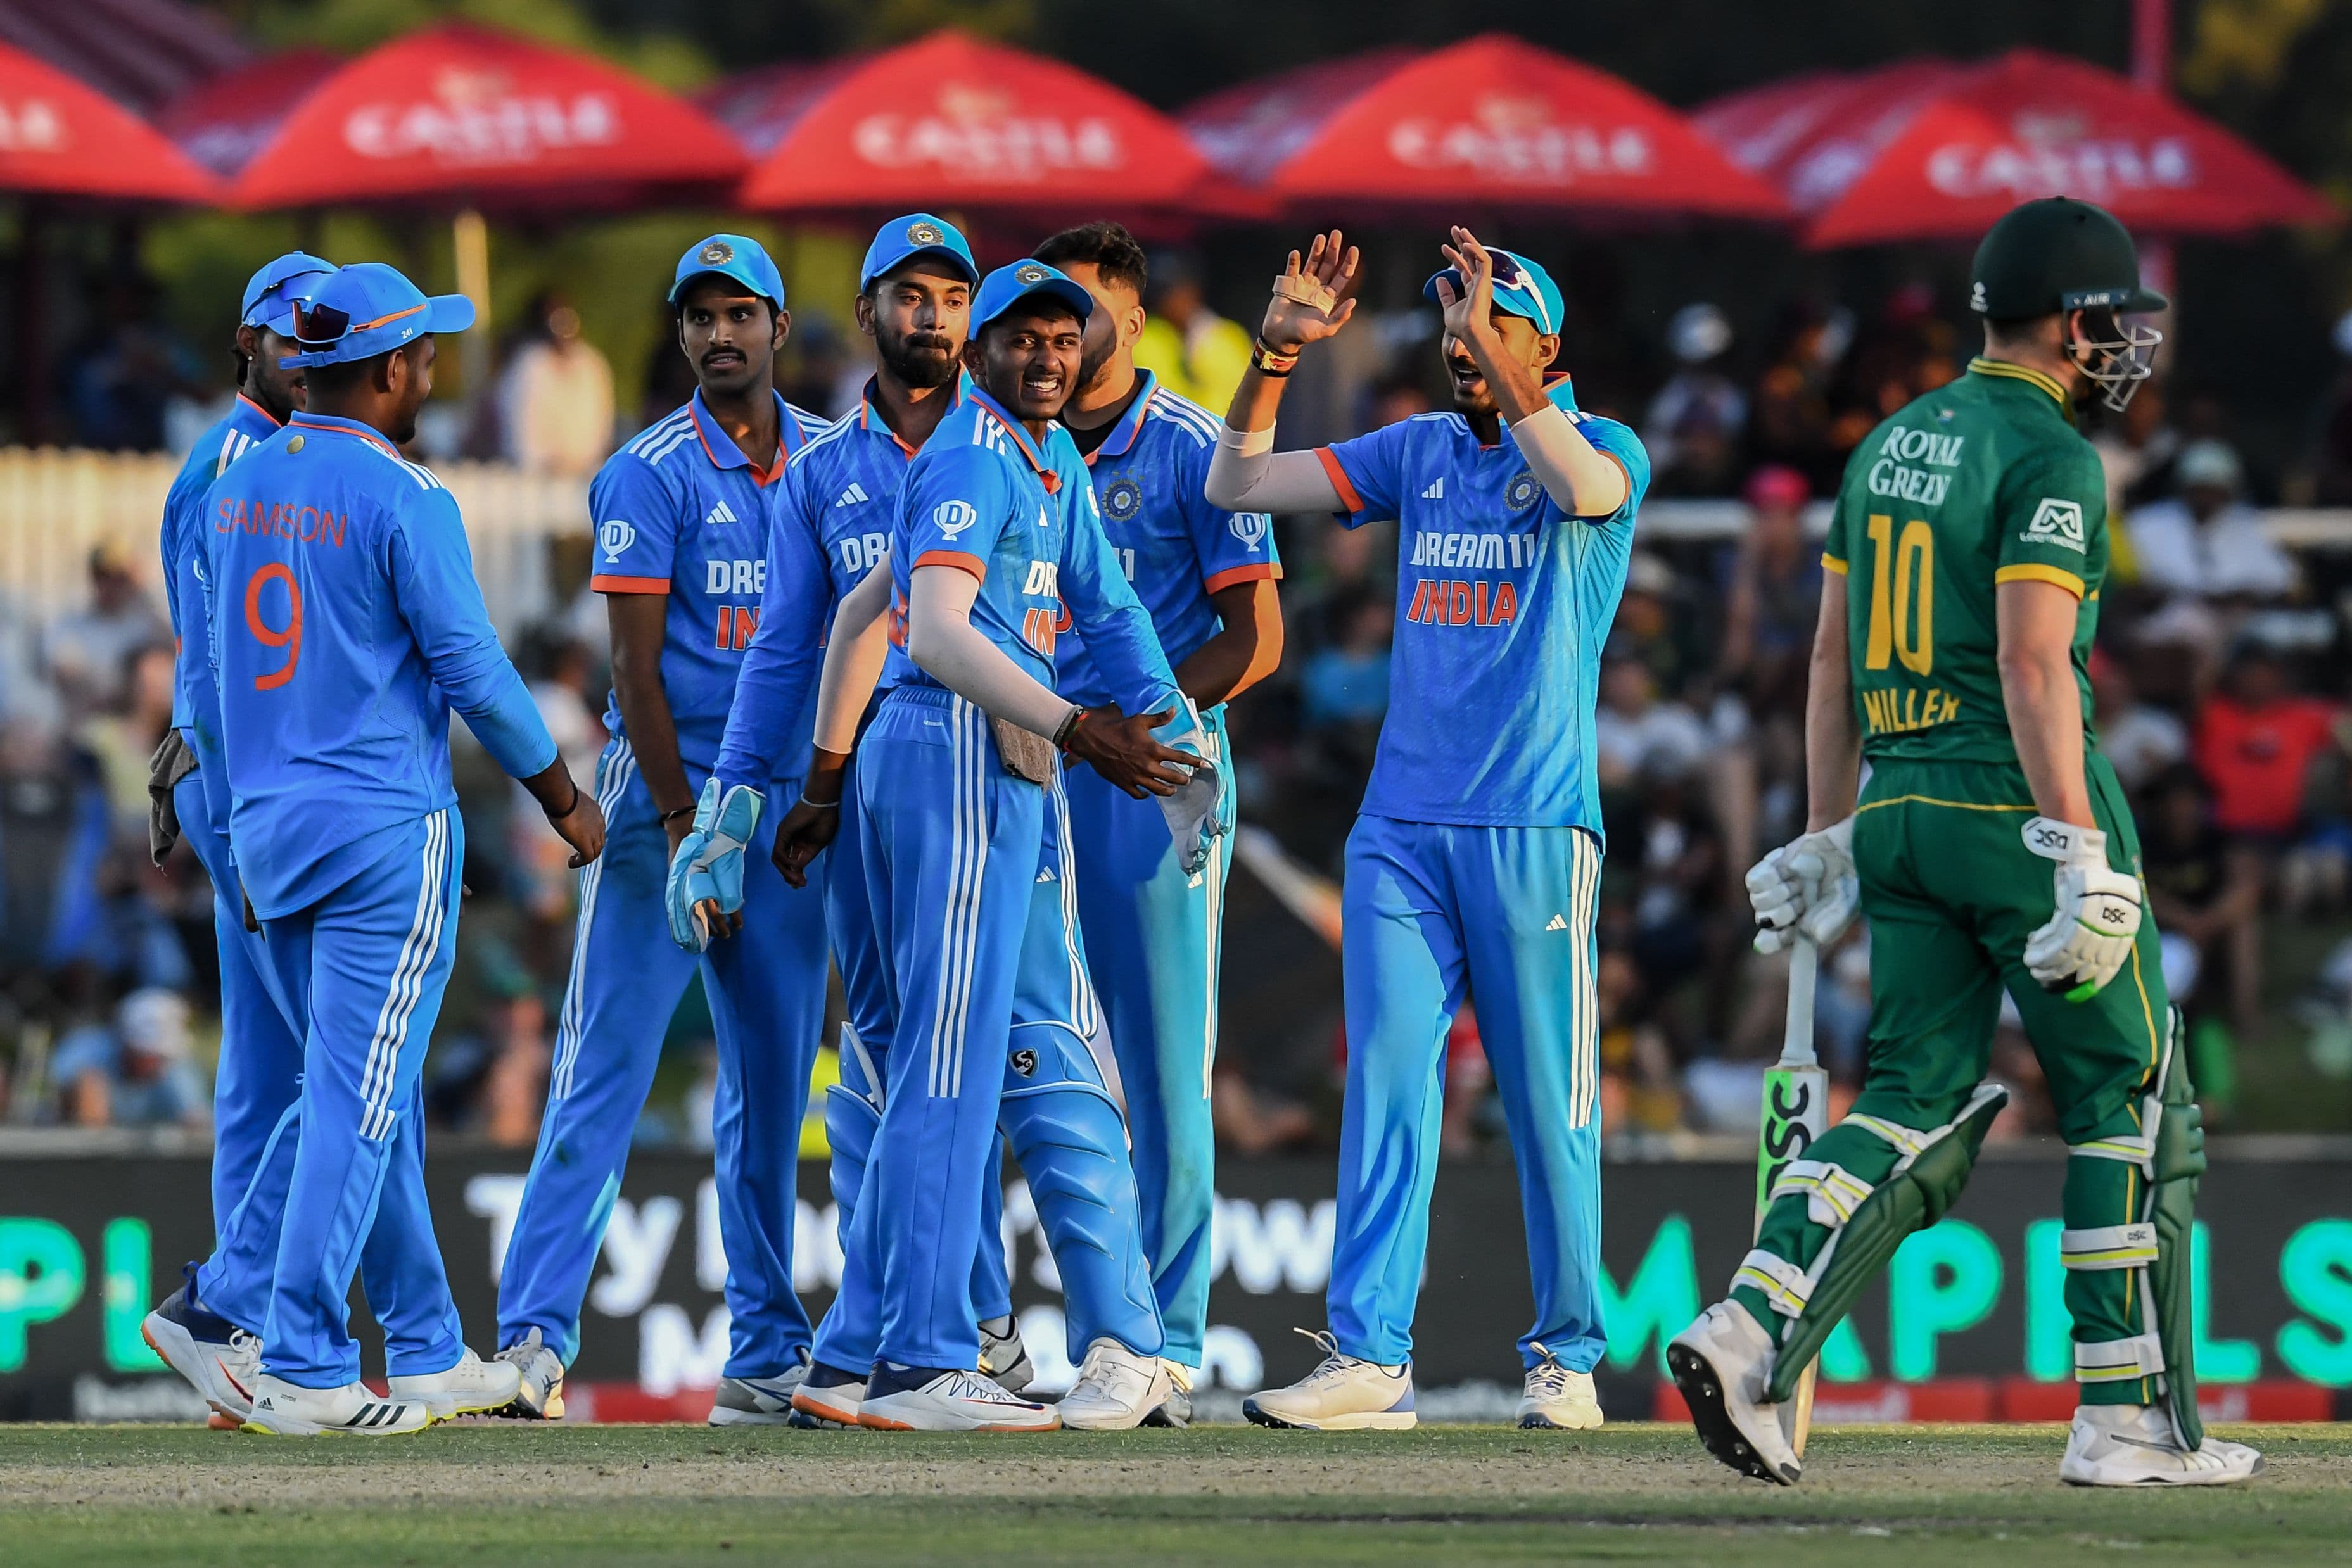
(996, 548)
(1475, 866)
(260, 1067)
(1153, 910)
(682, 523)
(345, 626)
(831, 527)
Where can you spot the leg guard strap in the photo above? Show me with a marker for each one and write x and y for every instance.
(2118, 1360)
(1785, 1285)
(1832, 1192)
(2108, 1246)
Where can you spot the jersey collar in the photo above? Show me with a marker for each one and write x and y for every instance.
(1046, 471)
(249, 418)
(335, 425)
(1122, 438)
(2002, 369)
(1561, 390)
(721, 448)
(870, 418)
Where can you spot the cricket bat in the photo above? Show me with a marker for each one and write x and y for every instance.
(1796, 1112)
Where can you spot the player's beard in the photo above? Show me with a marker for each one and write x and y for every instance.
(1094, 353)
(919, 361)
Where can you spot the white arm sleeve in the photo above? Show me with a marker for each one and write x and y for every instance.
(941, 639)
(853, 659)
(1246, 474)
(1568, 467)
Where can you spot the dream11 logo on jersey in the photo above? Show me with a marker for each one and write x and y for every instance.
(975, 132)
(1511, 136)
(476, 118)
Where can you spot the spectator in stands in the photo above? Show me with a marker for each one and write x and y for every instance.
(128, 369)
(1191, 349)
(1640, 738)
(555, 400)
(2207, 543)
(2256, 742)
(133, 1072)
(1771, 587)
(122, 737)
(2137, 449)
(2140, 739)
(1696, 422)
(1640, 1087)
(87, 650)
(1793, 422)
(1344, 686)
(2206, 892)
(2330, 467)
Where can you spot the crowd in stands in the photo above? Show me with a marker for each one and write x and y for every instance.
(2217, 679)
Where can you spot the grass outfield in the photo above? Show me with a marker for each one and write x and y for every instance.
(1916, 1496)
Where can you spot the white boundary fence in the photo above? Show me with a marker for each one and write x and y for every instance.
(56, 506)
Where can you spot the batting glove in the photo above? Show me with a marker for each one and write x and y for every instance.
(1806, 888)
(1195, 812)
(2088, 937)
(708, 864)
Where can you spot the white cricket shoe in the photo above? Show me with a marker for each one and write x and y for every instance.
(469, 1388)
(1556, 1398)
(1176, 1410)
(220, 1360)
(756, 1401)
(539, 1379)
(2137, 1445)
(1115, 1390)
(283, 1410)
(1003, 1358)
(1721, 1363)
(828, 1397)
(932, 1399)
(1342, 1395)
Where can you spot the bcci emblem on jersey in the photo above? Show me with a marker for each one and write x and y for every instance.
(951, 517)
(2056, 522)
(1521, 492)
(1122, 500)
(615, 537)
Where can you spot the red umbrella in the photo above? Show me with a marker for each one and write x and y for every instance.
(954, 124)
(1932, 150)
(458, 112)
(1493, 121)
(59, 138)
(224, 120)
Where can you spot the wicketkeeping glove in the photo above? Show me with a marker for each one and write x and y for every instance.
(1805, 888)
(1195, 812)
(2090, 935)
(709, 861)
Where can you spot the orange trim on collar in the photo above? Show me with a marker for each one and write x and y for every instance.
(342, 429)
(264, 412)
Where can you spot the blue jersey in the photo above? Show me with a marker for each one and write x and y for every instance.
(1503, 602)
(830, 525)
(681, 511)
(196, 705)
(346, 624)
(1175, 548)
(1019, 515)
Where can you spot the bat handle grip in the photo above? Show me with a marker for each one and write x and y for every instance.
(1804, 970)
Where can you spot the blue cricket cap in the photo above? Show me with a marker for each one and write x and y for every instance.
(271, 293)
(367, 310)
(916, 234)
(731, 255)
(1008, 286)
(1521, 286)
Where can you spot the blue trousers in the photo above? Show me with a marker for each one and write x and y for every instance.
(1057, 1113)
(364, 967)
(766, 985)
(253, 1085)
(1505, 915)
(1154, 934)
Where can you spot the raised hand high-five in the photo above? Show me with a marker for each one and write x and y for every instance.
(1313, 296)
(1469, 311)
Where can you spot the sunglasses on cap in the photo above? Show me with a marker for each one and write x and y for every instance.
(329, 324)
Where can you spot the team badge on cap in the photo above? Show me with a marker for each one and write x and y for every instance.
(718, 253)
(1122, 500)
(1030, 274)
(924, 233)
(1521, 492)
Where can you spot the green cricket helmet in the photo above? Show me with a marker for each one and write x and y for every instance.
(2060, 256)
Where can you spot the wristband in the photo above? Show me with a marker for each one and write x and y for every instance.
(671, 816)
(1063, 731)
(1270, 361)
(559, 816)
(818, 805)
